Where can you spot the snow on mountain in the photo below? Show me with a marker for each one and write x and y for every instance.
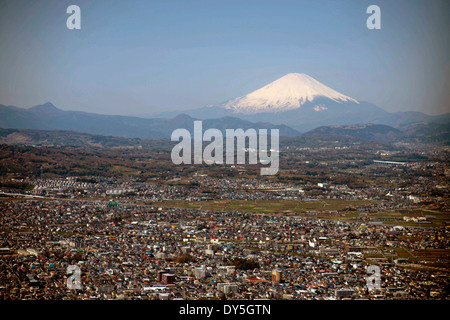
(287, 93)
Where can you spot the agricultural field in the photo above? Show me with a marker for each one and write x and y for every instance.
(272, 206)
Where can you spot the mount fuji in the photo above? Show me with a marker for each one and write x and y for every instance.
(296, 100)
(287, 93)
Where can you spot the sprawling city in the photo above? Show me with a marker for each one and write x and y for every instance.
(138, 232)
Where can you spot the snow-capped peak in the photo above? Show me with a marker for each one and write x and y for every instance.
(288, 92)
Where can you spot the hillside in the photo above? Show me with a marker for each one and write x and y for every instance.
(408, 133)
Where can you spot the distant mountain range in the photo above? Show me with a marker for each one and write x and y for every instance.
(303, 103)
(294, 104)
(47, 125)
(48, 117)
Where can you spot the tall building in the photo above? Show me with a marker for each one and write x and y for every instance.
(276, 276)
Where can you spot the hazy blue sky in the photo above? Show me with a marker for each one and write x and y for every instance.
(136, 57)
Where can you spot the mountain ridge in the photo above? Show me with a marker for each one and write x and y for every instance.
(49, 117)
(294, 103)
(410, 133)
